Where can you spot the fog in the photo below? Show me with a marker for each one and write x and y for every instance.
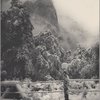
(84, 12)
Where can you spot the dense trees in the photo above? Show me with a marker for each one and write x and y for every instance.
(48, 55)
(84, 63)
(25, 55)
(17, 44)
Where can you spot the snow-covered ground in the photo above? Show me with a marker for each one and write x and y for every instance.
(78, 85)
(52, 90)
(90, 96)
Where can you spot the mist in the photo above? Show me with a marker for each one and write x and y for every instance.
(83, 12)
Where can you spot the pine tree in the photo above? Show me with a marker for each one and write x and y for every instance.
(17, 44)
(15, 3)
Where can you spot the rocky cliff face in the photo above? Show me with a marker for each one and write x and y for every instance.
(43, 15)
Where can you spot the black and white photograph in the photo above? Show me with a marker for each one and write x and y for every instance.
(49, 50)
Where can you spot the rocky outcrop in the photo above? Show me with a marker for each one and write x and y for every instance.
(43, 15)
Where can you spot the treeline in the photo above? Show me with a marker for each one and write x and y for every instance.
(83, 63)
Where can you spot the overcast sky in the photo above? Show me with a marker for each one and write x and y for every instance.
(85, 12)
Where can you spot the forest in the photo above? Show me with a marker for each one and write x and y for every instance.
(41, 56)
(27, 55)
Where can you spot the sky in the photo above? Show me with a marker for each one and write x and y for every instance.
(85, 12)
